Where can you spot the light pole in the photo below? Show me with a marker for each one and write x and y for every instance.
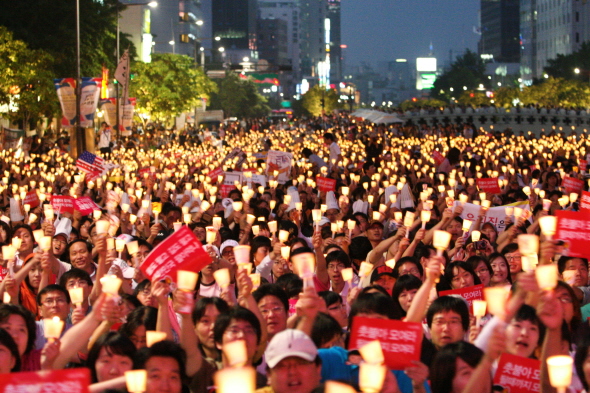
(79, 137)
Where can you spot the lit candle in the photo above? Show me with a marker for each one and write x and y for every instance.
(347, 275)
(154, 336)
(102, 226)
(136, 381)
(52, 328)
(371, 377)
(77, 295)
(111, 284)
(96, 214)
(372, 352)
(222, 277)
(548, 226)
(479, 310)
(304, 265)
(236, 353)
(546, 276)
(255, 277)
(250, 218)
(475, 236)
(560, 370)
(425, 217)
(283, 236)
(8, 252)
(45, 243)
(235, 380)
(528, 244)
(496, 300)
(440, 241)
(365, 269)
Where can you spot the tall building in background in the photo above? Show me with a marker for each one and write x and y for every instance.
(136, 22)
(234, 30)
(175, 27)
(334, 48)
(550, 28)
(313, 39)
(500, 30)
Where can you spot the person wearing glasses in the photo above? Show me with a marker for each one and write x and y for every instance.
(52, 301)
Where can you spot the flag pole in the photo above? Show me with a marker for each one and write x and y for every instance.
(78, 132)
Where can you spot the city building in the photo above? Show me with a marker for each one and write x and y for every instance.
(334, 48)
(233, 29)
(135, 21)
(500, 30)
(549, 28)
(313, 39)
(288, 11)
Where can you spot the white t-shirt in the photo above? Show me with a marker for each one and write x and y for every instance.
(334, 153)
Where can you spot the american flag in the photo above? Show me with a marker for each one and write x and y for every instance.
(90, 163)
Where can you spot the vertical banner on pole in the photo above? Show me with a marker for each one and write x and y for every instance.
(66, 92)
(122, 76)
(89, 95)
(127, 117)
(108, 106)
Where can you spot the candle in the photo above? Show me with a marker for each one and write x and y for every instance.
(77, 295)
(347, 275)
(250, 218)
(372, 352)
(546, 204)
(305, 266)
(235, 380)
(110, 244)
(111, 284)
(45, 243)
(371, 377)
(467, 225)
(132, 218)
(177, 225)
(255, 230)
(272, 226)
(102, 226)
(441, 241)
(496, 300)
(548, 226)
(242, 254)
(235, 353)
(337, 387)
(132, 247)
(255, 277)
(425, 217)
(211, 235)
(8, 252)
(285, 252)
(154, 336)
(222, 277)
(283, 236)
(216, 223)
(317, 215)
(390, 263)
(528, 244)
(238, 205)
(52, 328)
(96, 214)
(136, 381)
(38, 234)
(475, 236)
(479, 310)
(365, 269)
(49, 213)
(546, 276)
(560, 370)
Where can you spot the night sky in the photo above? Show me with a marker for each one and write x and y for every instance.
(377, 30)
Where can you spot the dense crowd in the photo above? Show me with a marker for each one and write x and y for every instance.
(403, 222)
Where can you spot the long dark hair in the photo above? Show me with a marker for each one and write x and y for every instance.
(444, 365)
(115, 344)
(6, 310)
(7, 340)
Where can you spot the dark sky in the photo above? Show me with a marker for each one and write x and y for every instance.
(376, 30)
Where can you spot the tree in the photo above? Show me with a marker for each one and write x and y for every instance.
(466, 73)
(26, 81)
(239, 97)
(312, 100)
(506, 96)
(51, 26)
(564, 66)
(168, 86)
(557, 92)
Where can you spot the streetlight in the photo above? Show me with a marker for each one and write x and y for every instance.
(171, 42)
(199, 23)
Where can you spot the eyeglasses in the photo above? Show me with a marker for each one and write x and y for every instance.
(62, 242)
(54, 300)
(234, 331)
(411, 271)
(512, 258)
(338, 266)
(452, 322)
(274, 310)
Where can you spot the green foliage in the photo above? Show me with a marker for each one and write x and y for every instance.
(474, 98)
(26, 80)
(563, 66)
(169, 85)
(468, 70)
(557, 92)
(429, 102)
(239, 97)
(50, 25)
(312, 100)
(505, 96)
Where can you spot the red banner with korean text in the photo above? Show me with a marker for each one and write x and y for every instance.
(32, 199)
(517, 374)
(571, 184)
(584, 204)
(438, 158)
(401, 341)
(62, 204)
(489, 185)
(179, 251)
(573, 228)
(214, 174)
(72, 380)
(325, 184)
(85, 205)
(470, 294)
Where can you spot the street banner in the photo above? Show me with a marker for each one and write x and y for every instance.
(325, 184)
(401, 341)
(495, 215)
(11, 138)
(214, 174)
(122, 76)
(584, 204)
(470, 294)
(71, 380)
(85, 205)
(237, 155)
(489, 185)
(573, 228)
(571, 184)
(62, 204)
(229, 182)
(517, 374)
(89, 97)
(66, 92)
(179, 251)
(438, 158)
(126, 114)
(32, 199)
(279, 161)
(109, 108)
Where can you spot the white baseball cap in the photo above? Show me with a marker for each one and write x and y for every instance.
(290, 342)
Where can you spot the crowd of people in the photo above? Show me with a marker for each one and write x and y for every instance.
(373, 238)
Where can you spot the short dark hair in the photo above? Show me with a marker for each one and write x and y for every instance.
(165, 349)
(141, 316)
(443, 368)
(88, 245)
(291, 283)
(408, 259)
(338, 256)
(238, 313)
(75, 273)
(325, 328)
(115, 344)
(272, 290)
(375, 302)
(53, 288)
(201, 307)
(7, 309)
(449, 303)
(330, 297)
(528, 313)
(330, 136)
(463, 265)
(561, 262)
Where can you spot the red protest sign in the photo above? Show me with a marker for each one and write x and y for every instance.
(62, 204)
(401, 341)
(325, 184)
(32, 199)
(214, 174)
(438, 158)
(72, 380)
(585, 201)
(179, 251)
(573, 228)
(489, 185)
(517, 374)
(470, 294)
(573, 185)
(583, 165)
(85, 205)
